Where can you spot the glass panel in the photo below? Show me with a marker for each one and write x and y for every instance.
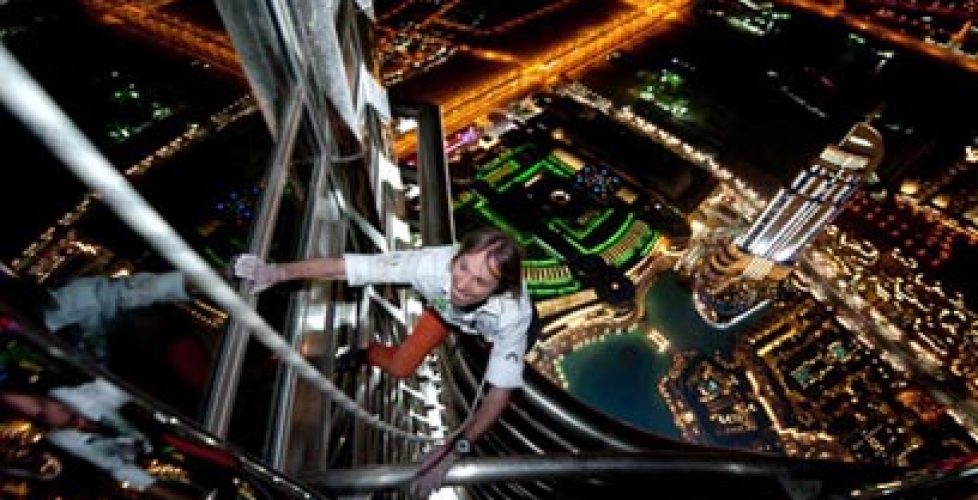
(253, 403)
(188, 138)
(63, 423)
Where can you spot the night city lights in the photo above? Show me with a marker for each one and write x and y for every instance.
(748, 226)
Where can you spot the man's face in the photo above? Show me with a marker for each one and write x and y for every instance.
(474, 277)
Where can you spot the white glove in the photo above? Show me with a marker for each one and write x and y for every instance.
(254, 269)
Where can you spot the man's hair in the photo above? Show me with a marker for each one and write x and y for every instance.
(502, 249)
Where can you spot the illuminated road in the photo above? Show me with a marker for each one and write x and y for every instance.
(504, 27)
(864, 25)
(576, 54)
(571, 57)
(149, 20)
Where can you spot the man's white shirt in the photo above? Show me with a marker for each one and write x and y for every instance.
(502, 319)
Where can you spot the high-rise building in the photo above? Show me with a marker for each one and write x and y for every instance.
(737, 278)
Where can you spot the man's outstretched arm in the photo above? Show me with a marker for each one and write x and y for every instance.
(264, 275)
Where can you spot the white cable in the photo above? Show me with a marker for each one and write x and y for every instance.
(26, 100)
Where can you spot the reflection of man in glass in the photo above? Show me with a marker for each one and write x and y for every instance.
(82, 310)
(84, 421)
(47, 410)
(125, 325)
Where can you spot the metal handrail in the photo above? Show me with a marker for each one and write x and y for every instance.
(473, 471)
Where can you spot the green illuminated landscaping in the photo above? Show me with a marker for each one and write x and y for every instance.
(579, 228)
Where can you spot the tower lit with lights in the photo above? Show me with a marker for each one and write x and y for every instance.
(740, 276)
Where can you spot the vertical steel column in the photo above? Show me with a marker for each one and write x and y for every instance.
(224, 384)
(437, 223)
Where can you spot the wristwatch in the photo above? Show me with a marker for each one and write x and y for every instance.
(463, 446)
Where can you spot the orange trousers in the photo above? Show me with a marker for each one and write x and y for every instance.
(401, 361)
